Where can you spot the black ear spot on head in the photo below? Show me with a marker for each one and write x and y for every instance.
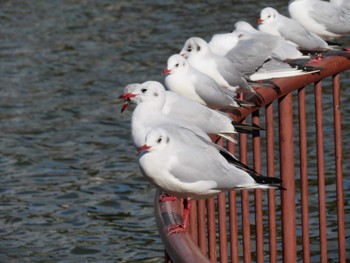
(198, 48)
(156, 94)
(167, 139)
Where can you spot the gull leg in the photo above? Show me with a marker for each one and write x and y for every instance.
(176, 228)
(164, 197)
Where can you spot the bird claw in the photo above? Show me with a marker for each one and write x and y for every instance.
(176, 228)
(166, 197)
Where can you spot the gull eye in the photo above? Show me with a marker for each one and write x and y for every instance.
(159, 140)
(143, 90)
(177, 65)
(268, 16)
(189, 49)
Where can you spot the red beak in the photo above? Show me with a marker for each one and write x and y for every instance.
(259, 20)
(127, 96)
(126, 104)
(143, 148)
(166, 71)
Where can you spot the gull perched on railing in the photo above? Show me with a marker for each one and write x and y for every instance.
(193, 84)
(328, 20)
(197, 52)
(274, 23)
(184, 165)
(157, 106)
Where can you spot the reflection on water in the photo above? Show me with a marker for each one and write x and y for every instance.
(70, 189)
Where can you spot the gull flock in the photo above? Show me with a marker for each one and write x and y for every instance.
(170, 125)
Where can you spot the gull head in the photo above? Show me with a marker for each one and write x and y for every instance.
(149, 91)
(128, 96)
(176, 63)
(268, 15)
(194, 46)
(156, 139)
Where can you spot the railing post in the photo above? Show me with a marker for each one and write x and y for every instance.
(270, 156)
(259, 234)
(303, 175)
(339, 167)
(287, 175)
(245, 203)
(321, 173)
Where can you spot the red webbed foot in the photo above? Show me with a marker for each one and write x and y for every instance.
(166, 197)
(176, 228)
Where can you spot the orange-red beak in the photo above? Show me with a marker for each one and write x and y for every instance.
(127, 96)
(166, 71)
(143, 148)
(126, 103)
(259, 20)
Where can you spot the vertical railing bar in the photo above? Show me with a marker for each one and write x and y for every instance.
(271, 172)
(245, 203)
(257, 193)
(193, 222)
(222, 222)
(339, 168)
(202, 237)
(233, 218)
(222, 227)
(286, 140)
(211, 229)
(320, 173)
(304, 175)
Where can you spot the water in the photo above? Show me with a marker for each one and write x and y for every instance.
(70, 188)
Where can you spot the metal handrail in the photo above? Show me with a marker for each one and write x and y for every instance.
(182, 247)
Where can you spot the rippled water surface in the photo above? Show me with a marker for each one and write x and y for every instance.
(70, 188)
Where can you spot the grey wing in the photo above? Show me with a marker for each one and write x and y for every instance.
(213, 94)
(233, 76)
(295, 32)
(193, 166)
(250, 53)
(333, 18)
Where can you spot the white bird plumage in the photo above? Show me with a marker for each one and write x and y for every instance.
(181, 164)
(325, 19)
(272, 22)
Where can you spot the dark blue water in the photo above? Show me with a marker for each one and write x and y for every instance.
(70, 188)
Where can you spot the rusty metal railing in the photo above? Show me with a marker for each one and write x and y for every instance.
(275, 226)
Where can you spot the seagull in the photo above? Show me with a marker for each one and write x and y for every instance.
(197, 51)
(272, 22)
(156, 106)
(184, 165)
(325, 19)
(282, 50)
(191, 83)
(149, 102)
(221, 43)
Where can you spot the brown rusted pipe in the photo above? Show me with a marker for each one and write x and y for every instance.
(180, 246)
(285, 115)
(339, 167)
(271, 172)
(211, 230)
(320, 173)
(304, 176)
(245, 203)
(259, 235)
(233, 218)
(202, 237)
